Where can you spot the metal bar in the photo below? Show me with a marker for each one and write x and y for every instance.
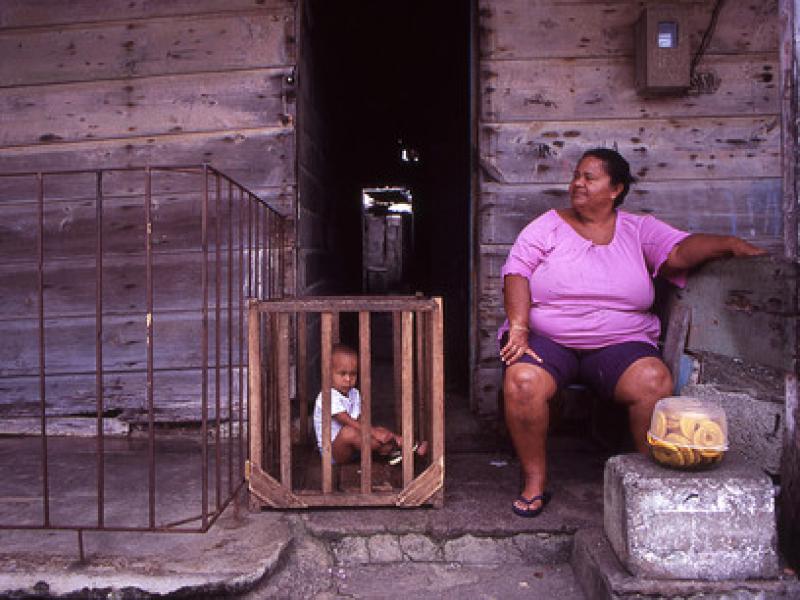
(365, 366)
(407, 394)
(284, 408)
(282, 257)
(257, 257)
(249, 246)
(42, 362)
(204, 350)
(217, 340)
(230, 337)
(151, 435)
(268, 263)
(325, 351)
(81, 553)
(266, 292)
(98, 341)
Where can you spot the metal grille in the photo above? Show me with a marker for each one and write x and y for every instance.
(125, 301)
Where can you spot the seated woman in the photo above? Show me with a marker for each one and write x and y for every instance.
(578, 289)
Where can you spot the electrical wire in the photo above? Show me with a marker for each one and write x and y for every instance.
(707, 35)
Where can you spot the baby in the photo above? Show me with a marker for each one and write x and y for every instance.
(345, 413)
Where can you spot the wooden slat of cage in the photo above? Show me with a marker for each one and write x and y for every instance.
(365, 356)
(437, 395)
(254, 375)
(284, 406)
(326, 324)
(407, 387)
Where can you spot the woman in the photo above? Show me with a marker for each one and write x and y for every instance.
(578, 288)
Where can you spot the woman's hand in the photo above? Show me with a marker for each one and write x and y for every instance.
(740, 247)
(517, 346)
(701, 247)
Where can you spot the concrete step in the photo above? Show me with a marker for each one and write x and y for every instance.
(602, 577)
(390, 566)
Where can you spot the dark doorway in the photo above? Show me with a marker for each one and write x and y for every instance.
(387, 87)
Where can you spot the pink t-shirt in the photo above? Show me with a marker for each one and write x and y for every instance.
(589, 296)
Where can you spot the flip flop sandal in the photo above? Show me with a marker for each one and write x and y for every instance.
(529, 513)
(396, 457)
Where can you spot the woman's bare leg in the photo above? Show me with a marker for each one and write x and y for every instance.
(527, 390)
(643, 384)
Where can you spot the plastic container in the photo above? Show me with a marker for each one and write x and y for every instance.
(687, 433)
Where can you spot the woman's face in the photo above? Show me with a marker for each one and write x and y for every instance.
(591, 187)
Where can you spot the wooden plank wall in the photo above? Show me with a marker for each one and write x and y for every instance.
(120, 83)
(556, 78)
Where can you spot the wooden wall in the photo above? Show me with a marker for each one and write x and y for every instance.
(129, 83)
(556, 78)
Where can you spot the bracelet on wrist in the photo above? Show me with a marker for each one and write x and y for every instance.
(519, 328)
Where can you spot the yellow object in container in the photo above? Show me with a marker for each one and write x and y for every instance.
(687, 433)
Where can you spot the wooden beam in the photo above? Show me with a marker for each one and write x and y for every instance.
(254, 375)
(271, 492)
(427, 484)
(365, 385)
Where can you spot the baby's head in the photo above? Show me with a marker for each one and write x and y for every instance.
(344, 368)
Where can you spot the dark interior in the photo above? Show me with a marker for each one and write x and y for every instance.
(394, 76)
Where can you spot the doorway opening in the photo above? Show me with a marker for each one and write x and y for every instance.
(384, 108)
(387, 240)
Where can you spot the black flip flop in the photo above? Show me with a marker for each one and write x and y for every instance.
(529, 513)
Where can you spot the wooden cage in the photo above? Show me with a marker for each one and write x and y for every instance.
(290, 342)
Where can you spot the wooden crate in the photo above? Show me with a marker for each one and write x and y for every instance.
(285, 469)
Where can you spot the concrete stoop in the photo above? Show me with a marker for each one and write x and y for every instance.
(602, 577)
(401, 565)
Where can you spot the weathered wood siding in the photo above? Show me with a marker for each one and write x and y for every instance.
(130, 83)
(556, 78)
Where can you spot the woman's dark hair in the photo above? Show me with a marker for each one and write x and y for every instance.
(617, 169)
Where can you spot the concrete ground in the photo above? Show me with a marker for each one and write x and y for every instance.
(474, 547)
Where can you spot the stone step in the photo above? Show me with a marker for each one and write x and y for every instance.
(602, 577)
(412, 565)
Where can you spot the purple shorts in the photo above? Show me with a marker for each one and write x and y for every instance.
(599, 368)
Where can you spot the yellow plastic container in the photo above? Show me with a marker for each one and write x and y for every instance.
(687, 433)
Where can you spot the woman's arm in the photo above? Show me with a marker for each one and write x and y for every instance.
(701, 247)
(517, 301)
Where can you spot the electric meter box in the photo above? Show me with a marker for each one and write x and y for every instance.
(662, 55)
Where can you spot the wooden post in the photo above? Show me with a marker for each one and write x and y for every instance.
(437, 394)
(284, 409)
(364, 353)
(327, 470)
(254, 375)
(407, 394)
